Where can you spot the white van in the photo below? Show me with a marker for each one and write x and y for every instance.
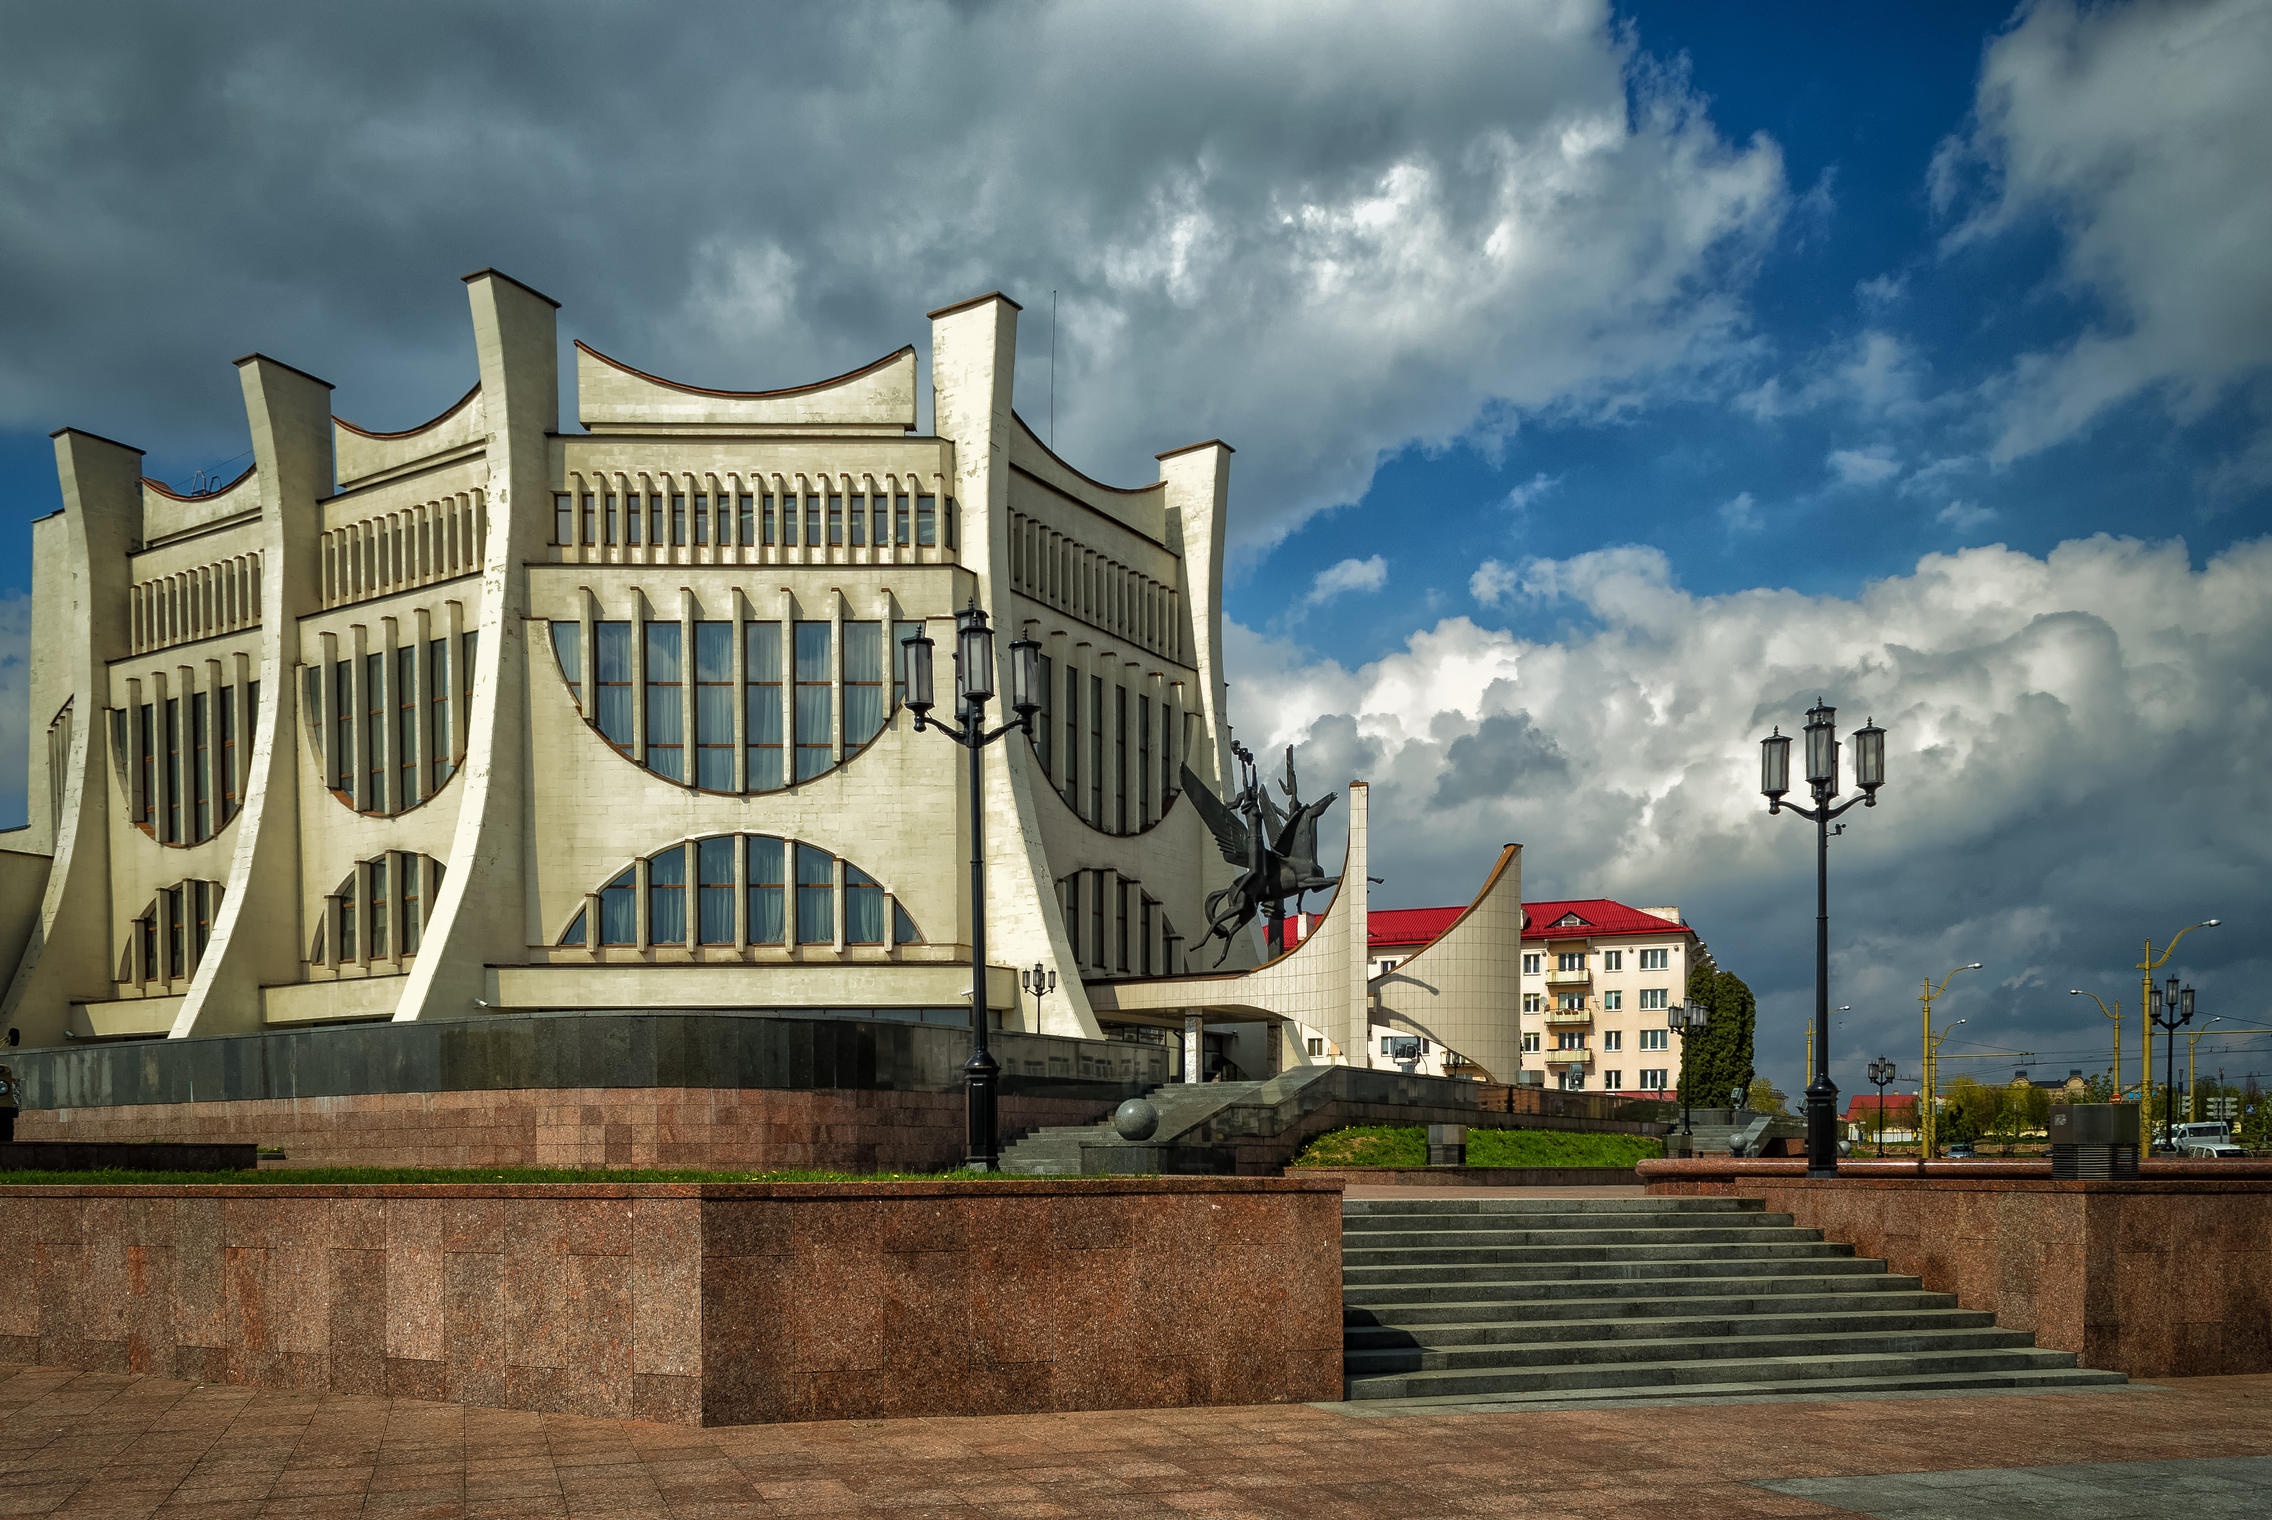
(2202, 1132)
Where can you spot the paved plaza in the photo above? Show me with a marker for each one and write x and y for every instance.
(107, 1447)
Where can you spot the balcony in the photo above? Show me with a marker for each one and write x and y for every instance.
(1569, 1016)
(1569, 978)
(1569, 1057)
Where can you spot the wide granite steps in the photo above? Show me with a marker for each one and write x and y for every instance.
(2054, 1379)
(1545, 1300)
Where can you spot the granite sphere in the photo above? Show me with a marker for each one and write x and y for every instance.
(1136, 1120)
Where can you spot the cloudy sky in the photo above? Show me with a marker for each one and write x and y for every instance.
(1607, 382)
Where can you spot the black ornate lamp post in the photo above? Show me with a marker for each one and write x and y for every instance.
(974, 687)
(2170, 1013)
(1881, 1072)
(1040, 981)
(1685, 1021)
(1822, 780)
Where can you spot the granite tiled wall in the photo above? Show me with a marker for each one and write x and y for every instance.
(2166, 1276)
(754, 1129)
(695, 1303)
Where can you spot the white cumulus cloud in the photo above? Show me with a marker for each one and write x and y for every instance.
(1863, 467)
(1367, 574)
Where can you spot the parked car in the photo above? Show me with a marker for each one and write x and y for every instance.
(2213, 1150)
(1961, 1151)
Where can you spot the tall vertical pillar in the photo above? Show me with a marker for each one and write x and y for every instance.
(257, 933)
(1356, 978)
(79, 624)
(483, 913)
(1198, 481)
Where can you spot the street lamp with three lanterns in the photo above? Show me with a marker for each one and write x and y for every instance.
(2172, 1012)
(1881, 1073)
(1822, 780)
(1685, 1020)
(974, 688)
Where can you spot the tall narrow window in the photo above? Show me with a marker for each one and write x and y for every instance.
(863, 683)
(1096, 751)
(1073, 738)
(856, 522)
(1167, 759)
(863, 908)
(714, 705)
(607, 518)
(1147, 940)
(745, 512)
(901, 533)
(611, 671)
(374, 738)
(816, 896)
(714, 886)
(655, 521)
(200, 768)
(619, 914)
(563, 519)
(634, 528)
(151, 970)
(348, 914)
(1041, 719)
(177, 910)
(812, 522)
(926, 521)
(468, 662)
(1097, 942)
(816, 699)
(1120, 760)
(761, 698)
(173, 771)
(766, 883)
(146, 751)
(591, 525)
(880, 506)
(204, 898)
(666, 898)
(835, 522)
(380, 902)
(406, 723)
(568, 649)
(666, 701)
(678, 520)
(441, 735)
(1143, 776)
(226, 700)
(789, 513)
(413, 900)
(701, 520)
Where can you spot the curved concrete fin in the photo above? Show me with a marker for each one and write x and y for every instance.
(1463, 989)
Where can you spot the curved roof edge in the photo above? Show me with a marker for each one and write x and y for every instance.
(444, 415)
(1075, 470)
(162, 489)
(904, 351)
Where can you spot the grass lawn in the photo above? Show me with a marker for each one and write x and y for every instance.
(1407, 1145)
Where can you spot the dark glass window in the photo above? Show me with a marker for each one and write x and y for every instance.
(1143, 762)
(1073, 738)
(611, 672)
(816, 699)
(591, 525)
(702, 520)
(863, 908)
(714, 706)
(442, 761)
(226, 700)
(413, 914)
(619, 914)
(863, 683)
(1041, 725)
(745, 511)
(761, 697)
(812, 522)
(856, 524)
(634, 526)
(901, 533)
(666, 703)
(1120, 761)
(177, 911)
(348, 913)
(374, 737)
(607, 518)
(563, 519)
(766, 885)
(568, 649)
(678, 519)
(903, 927)
(926, 521)
(816, 896)
(836, 522)
(173, 771)
(146, 748)
(406, 723)
(714, 882)
(1096, 751)
(666, 898)
(200, 768)
(380, 903)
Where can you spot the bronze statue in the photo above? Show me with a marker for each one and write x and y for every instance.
(1275, 851)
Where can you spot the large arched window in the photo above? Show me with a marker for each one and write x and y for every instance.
(378, 915)
(390, 723)
(738, 892)
(185, 755)
(1116, 928)
(166, 942)
(734, 706)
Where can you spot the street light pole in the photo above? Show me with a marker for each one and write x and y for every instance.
(1040, 981)
(1685, 1021)
(974, 686)
(1928, 1131)
(2114, 1013)
(2148, 964)
(1881, 1072)
(2175, 1012)
(1822, 781)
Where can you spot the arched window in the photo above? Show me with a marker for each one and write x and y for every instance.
(737, 892)
(165, 944)
(379, 913)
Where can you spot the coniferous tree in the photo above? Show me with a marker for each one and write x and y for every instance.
(1720, 1059)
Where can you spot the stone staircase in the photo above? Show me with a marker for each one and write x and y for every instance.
(1506, 1302)
(1183, 1106)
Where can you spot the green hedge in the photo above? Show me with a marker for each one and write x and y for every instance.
(1407, 1145)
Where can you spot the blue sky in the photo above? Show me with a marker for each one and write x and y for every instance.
(1606, 382)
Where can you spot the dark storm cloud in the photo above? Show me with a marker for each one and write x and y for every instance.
(1319, 231)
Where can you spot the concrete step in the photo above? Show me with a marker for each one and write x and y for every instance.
(1741, 1345)
(1720, 1328)
(2055, 1379)
(1597, 1270)
(1613, 1236)
(1463, 1266)
(1642, 1283)
(1792, 1372)
(1371, 1227)
(1364, 1207)
(1862, 1295)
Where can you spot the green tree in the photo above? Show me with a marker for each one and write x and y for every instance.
(1968, 1111)
(1766, 1098)
(1719, 1060)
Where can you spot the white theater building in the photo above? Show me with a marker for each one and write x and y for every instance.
(495, 714)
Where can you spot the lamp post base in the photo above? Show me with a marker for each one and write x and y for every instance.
(1822, 1128)
(981, 1076)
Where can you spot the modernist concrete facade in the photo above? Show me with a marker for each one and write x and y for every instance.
(492, 716)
